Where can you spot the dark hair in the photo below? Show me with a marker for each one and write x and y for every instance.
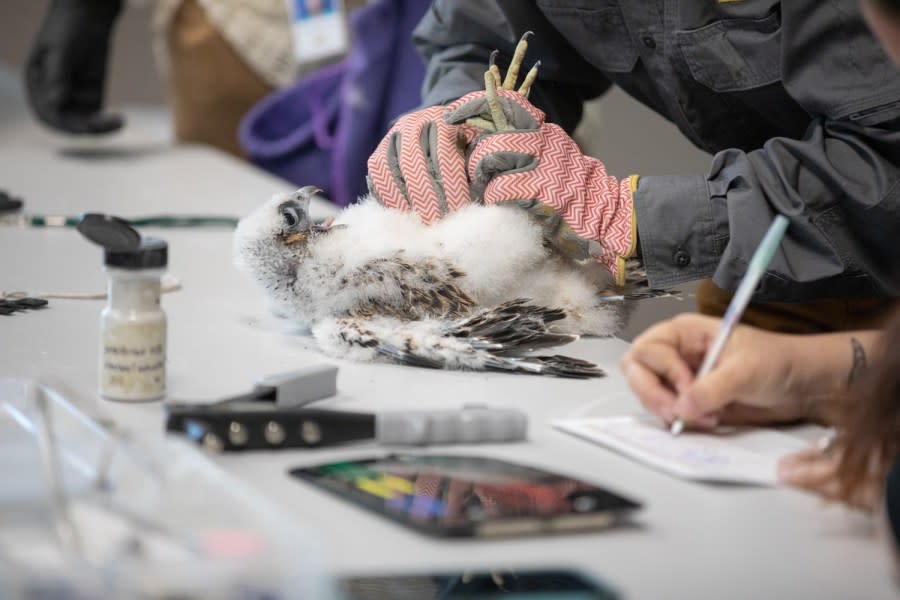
(870, 423)
(889, 6)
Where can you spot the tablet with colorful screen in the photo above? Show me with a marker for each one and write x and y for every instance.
(470, 496)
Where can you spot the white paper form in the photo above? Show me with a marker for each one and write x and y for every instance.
(735, 455)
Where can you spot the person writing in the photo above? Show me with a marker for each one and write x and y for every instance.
(850, 381)
(846, 380)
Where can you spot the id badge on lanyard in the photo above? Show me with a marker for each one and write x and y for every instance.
(318, 27)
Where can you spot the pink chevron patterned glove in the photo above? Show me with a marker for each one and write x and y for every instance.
(546, 165)
(420, 165)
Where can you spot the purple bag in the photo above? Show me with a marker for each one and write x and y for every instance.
(322, 130)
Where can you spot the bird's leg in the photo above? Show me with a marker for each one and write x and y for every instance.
(525, 88)
(493, 81)
(494, 69)
(497, 115)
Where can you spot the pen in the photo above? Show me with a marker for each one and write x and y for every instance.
(758, 265)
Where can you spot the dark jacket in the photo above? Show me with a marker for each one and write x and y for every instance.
(796, 100)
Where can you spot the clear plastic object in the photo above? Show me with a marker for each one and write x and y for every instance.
(92, 515)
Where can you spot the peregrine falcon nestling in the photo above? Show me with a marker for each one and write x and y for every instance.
(478, 290)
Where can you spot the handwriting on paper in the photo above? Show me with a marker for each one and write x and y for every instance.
(738, 455)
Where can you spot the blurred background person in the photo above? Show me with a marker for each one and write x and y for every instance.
(219, 57)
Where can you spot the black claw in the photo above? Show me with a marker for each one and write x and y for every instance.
(493, 59)
(526, 35)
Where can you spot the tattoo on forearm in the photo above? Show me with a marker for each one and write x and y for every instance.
(859, 360)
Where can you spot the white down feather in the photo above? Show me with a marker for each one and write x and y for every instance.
(362, 260)
(499, 248)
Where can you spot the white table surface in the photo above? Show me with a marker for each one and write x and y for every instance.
(691, 540)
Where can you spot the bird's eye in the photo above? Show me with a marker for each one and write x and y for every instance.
(290, 216)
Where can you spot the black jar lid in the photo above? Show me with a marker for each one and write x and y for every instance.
(152, 253)
(123, 246)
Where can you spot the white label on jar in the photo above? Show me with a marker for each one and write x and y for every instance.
(133, 362)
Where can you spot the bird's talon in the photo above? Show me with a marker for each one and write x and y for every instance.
(512, 74)
(493, 68)
(497, 114)
(493, 80)
(495, 71)
(525, 88)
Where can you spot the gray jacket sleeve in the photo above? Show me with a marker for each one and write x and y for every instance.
(839, 184)
(836, 185)
(456, 37)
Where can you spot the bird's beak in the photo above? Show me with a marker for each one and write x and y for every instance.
(294, 238)
(309, 191)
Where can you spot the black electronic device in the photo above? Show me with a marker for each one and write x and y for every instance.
(275, 415)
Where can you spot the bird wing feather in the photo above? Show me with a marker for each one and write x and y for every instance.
(406, 289)
(498, 339)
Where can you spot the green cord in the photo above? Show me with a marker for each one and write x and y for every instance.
(150, 221)
(51, 221)
(184, 221)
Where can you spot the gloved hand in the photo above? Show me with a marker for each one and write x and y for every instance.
(66, 72)
(420, 165)
(506, 153)
(534, 160)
